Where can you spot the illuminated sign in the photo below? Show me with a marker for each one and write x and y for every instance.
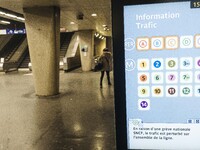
(162, 72)
(15, 31)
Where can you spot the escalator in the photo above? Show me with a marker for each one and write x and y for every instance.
(17, 56)
(4, 39)
(26, 60)
(65, 39)
(14, 59)
(11, 45)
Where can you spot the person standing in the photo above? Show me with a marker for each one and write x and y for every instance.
(106, 60)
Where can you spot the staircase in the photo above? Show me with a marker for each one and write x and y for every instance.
(65, 39)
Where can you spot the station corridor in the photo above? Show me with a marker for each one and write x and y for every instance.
(81, 117)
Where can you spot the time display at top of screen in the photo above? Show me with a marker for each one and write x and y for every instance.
(195, 4)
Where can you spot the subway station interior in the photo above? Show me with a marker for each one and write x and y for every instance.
(50, 95)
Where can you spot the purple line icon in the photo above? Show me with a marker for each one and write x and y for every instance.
(144, 104)
(198, 62)
(171, 77)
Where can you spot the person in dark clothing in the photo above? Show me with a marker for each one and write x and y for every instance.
(106, 59)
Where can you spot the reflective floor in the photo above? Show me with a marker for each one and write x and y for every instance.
(80, 118)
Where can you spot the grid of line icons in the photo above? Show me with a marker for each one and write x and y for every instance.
(170, 72)
(168, 42)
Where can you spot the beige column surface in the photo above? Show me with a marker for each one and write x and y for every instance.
(86, 38)
(43, 33)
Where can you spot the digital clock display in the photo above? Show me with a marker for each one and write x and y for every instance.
(195, 4)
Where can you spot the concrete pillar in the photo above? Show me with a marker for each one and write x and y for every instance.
(86, 41)
(43, 33)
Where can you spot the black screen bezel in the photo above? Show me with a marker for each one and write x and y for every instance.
(119, 65)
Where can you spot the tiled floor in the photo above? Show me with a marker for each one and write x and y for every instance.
(80, 118)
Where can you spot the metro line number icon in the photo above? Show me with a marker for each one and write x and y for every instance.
(144, 104)
(157, 64)
(171, 91)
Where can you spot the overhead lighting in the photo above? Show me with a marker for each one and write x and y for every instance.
(72, 22)
(62, 29)
(10, 15)
(96, 34)
(94, 15)
(2, 13)
(20, 18)
(5, 22)
(106, 28)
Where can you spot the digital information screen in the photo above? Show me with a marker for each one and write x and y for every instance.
(162, 61)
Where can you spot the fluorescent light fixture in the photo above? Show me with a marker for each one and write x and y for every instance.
(100, 36)
(104, 25)
(72, 22)
(20, 18)
(62, 29)
(94, 15)
(97, 34)
(2, 13)
(10, 15)
(5, 22)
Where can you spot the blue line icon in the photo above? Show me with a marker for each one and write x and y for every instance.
(157, 43)
(157, 64)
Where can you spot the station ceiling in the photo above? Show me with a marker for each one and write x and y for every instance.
(71, 11)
